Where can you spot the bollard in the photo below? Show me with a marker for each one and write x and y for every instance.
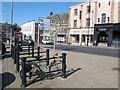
(23, 72)
(38, 51)
(12, 52)
(15, 49)
(64, 65)
(32, 50)
(17, 61)
(29, 49)
(47, 57)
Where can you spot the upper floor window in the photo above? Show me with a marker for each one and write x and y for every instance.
(88, 22)
(75, 12)
(64, 29)
(80, 15)
(103, 18)
(64, 20)
(108, 19)
(109, 3)
(98, 20)
(99, 5)
(75, 23)
(88, 9)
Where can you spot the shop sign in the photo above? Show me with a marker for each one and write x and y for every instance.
(102, 29)
(74, 32)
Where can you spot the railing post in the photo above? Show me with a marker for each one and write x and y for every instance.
(32, 50)
(64, 65)
(12, 52)
(23, 72)
(15, 48)
(17, 61)
(47, 57)
(29, 49)
(38, 51)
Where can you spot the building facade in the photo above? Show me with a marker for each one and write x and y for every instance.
(84, 16)
(30, 29)
(5, 31)
(107, 28)
(60, 22)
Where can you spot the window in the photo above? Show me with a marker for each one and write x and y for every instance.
(108, 19)
(64, 29)
(75, 12)
(98, 20)
(109, 3)
(88, 9)
(83, 38)
(64, 20)
(88, 22)
(103, 18)
(99, 5)
(75, 23)
(80, 15)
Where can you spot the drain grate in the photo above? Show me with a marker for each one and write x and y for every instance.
(116, 69)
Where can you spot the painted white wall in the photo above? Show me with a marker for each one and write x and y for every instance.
(28, 29)
(105, 8)
(84, 14)
(119, 11)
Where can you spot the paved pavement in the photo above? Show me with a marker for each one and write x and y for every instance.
(83, 70)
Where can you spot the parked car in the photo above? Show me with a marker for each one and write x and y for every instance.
(2, 48)
(27, 42)
(47, 42)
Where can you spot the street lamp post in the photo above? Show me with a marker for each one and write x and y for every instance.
(54, 31)
(88, 39)
(38, 31)
(11, 34)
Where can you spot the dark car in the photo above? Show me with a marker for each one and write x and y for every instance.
(27, 42)
(2, 48)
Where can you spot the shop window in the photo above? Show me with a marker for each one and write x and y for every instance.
(83, 38)
(91, 38)
(77, 39)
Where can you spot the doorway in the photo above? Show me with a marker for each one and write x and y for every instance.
(102, 37)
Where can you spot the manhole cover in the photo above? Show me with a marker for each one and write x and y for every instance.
(116, 69)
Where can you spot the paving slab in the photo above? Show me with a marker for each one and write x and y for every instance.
(83, 70)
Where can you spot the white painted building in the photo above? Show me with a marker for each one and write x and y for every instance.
(28, 29)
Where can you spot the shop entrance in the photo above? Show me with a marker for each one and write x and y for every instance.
(102, 37)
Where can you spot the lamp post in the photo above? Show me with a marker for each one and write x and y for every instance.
(38, 31)
(11, 33)
(89, 9)
(54, 31)
(6, 18)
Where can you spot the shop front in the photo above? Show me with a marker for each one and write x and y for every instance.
(107, 33)
(61, 37)
(79, 36)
